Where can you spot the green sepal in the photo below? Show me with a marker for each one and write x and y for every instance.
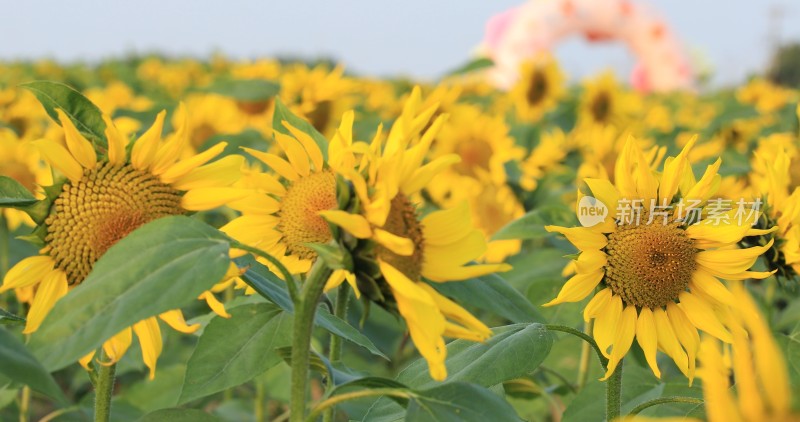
(334, 256)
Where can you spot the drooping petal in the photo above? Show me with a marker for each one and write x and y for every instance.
(214, 304)
(711, 287)
(354, 224)
(605, 325)
(51, 289)
(577, 288)
(626, 329)
(647, 336)
(399, 245)
(686, 333)
(150, 341)
(668, 342)
(27, 272)
(174, 318)
(116, 346)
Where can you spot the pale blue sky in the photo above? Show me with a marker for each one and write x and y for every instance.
(420, 38)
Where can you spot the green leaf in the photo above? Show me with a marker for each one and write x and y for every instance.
(234, 350)
(160, 266)
(13, 194)
(531, 225)
(179, 415)
(19, 365)
(512, 352)
(459, 402)
(245, 89)
(283, 113)
(492, 293)
(159, 393)
(273, 288)
(83, 113)
(9, 318)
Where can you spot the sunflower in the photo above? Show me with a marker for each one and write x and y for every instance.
(658, 275)
(783, 210)
(765, 96)
(397, 248)
(605, 102)
(211, 115)
(545, 158)
(483, 144)
(538, 90)
(20, 161)
(280, 215)
(319, 95)
(102, 200)
(757, 365)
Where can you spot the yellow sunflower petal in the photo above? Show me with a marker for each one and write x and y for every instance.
(711, 287)
(399, 245)
(86, 360)
(214, 304)
(174, 318)
(116, 143)
(577, 288)
(58, 157)
(702, 315)
(673, 173)
(52, 288)
(278, 164)
(354, 224)
(79, 147)
(626, 329)
(209, 198)
(171, 150)
(686, 333)
(150, 341)
(311, 147)
(455, 312)
(27, 272)
(647, 337)
(668, 342)
(600, 300)
(719, 402)
(445, 227)
(145, 148)
(116, 346)
(295, 153)
(223, 172)
(181, 168)
(449, 272)
(583, 238)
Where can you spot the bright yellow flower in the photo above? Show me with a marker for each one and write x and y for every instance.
(658, 279)
(280, 216)
(403, 248)
(545, 158)
(765, 96)
(319, 95)
(538, 90)
(106, 198)
(757, 364)
(20, 161)
(604, 102)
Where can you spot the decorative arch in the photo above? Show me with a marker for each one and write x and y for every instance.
(537, 26)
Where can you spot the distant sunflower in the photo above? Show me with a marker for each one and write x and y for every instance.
(21, 161)
(281, 215)
(319, 95)
(102, 201)
(605, 102)
(538, 90)
(397, 248)
(658, 277)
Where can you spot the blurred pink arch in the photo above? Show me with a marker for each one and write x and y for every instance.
(535, 27)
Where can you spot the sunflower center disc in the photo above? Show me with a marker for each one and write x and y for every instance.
(649, 265)
(538, 88)
(299, 221)
(93, 214)
(601, 106)
(402, 221)
(475, 154)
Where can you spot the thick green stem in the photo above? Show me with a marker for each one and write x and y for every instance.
(662, 400)
(103, 389)
(614, 394)
(583, 365)
(305, 309)
(5, 239)
(335, 354)
(260, 402)
(24, 404)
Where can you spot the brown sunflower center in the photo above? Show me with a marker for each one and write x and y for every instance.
(601, 107)
(253, 107)
(299, 221)
(537, 90)
(402, 221)
(201, 134)
(91, 215)
(475, 154)
(321, 115)
(649, 265)
(20, 173)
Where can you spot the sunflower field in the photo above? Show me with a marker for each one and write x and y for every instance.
(223, 240)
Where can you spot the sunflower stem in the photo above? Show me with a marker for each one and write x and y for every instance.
(335, 354)
(583, 365)
(305, 309)
(24, 404)
(583, 336)
(662, 400)
(103, 389)
(389, 392)
(614, 394)
(5, 238)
